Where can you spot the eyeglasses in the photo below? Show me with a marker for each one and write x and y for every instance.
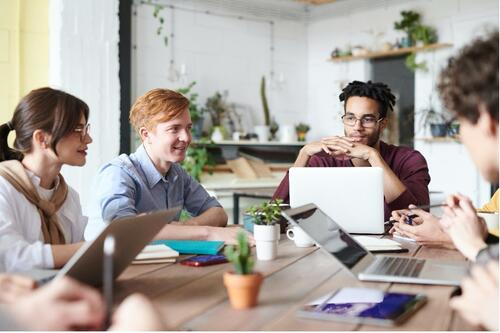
(366, 121)
(83, 131)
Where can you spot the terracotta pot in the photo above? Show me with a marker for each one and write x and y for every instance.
(243, 290)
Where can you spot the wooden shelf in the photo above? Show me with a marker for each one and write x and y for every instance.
(243, 143)
(392, 53)
(439, 139)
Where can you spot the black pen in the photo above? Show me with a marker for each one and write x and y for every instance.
(107, 285)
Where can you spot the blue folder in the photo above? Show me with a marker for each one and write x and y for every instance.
(192, 246)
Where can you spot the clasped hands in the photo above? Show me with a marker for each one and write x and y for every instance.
(341, 147)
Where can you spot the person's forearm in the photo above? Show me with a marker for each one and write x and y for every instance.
(214, 217)
(62, 253)
(302, 159)
(393, 187)
(183, 232)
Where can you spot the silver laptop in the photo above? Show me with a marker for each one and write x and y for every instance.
(361, 263)
(131, 235)
(352, 196)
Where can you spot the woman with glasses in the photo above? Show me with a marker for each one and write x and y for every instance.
(41, 225)
(366, 106)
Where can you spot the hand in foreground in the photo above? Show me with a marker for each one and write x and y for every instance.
(137, 313)
(228, 234)
(425, 228)
(14, 286)
(478, 303)
(63, 304)
(465, 228)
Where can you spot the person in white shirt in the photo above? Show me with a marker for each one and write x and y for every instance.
(41, 221)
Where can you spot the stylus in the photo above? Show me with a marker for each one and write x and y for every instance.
(107, 285)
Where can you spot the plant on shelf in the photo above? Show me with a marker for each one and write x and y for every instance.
(266, 228)
(436, 121)
(410, 19)
(416, 32)
(218, 110)
(243, 284)
(265, 106)
(195, 111)
(301, 129)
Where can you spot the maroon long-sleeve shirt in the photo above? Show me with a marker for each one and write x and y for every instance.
(408, 165)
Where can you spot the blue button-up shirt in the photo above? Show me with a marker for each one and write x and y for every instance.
(130, 185)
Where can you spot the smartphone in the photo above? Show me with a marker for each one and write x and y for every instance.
(364, 306)
(204, 260)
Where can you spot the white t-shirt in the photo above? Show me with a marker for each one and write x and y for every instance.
(21, 239)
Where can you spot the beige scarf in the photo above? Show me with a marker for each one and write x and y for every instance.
(13, 171)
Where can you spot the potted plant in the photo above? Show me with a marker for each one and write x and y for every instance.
(409, 21)
(217, 108)
(416, 32)
(243, 284)
(266, 228)
(436, 121)
(195, 111)
(262, 131)
(301, 129)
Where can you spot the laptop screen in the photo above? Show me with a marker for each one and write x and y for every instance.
(330, 236)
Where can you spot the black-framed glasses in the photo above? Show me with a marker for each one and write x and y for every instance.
(366, 121)
(83, 131)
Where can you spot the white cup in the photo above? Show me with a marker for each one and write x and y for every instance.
(300, 238)
(491, 220)
(287, 133)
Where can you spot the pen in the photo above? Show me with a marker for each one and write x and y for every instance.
(107, 285)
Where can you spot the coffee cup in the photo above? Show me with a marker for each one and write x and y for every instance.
(491, 220)
(300, 238)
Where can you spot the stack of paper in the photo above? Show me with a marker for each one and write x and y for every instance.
(377, 244)
(156, 254)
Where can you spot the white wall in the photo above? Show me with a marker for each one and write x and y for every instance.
(457, 21)
(224, 53)
(83, 60)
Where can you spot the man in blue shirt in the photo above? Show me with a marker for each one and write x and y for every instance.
(151, 178)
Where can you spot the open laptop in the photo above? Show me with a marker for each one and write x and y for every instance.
(353, 196)
(332, 238)
(131, 235)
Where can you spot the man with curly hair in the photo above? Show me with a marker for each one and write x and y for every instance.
(366, 105)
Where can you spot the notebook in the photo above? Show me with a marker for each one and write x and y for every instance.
(377, 244)
(156, 254)
(192, 246)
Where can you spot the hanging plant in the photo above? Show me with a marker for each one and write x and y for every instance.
(161, 20)
(411, 63)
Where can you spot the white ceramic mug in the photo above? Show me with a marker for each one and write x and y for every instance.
(300, 238)
(491, 220)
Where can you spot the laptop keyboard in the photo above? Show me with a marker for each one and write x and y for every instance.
(397, 266)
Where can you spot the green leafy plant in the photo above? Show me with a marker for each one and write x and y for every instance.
(411, 63)
(302, 128)
(240, 255)
(425, 34)
(217, 107)
(161, 21)
(267, 213)
(197, 157)
(415, 31)
(265, 106)
(194, 109)
(410, 19)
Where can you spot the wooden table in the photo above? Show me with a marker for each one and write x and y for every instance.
(194, 298)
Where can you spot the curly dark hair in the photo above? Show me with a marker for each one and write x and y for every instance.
(375, 90)
(471, 79)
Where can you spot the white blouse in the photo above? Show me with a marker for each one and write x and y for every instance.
(21, 239)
